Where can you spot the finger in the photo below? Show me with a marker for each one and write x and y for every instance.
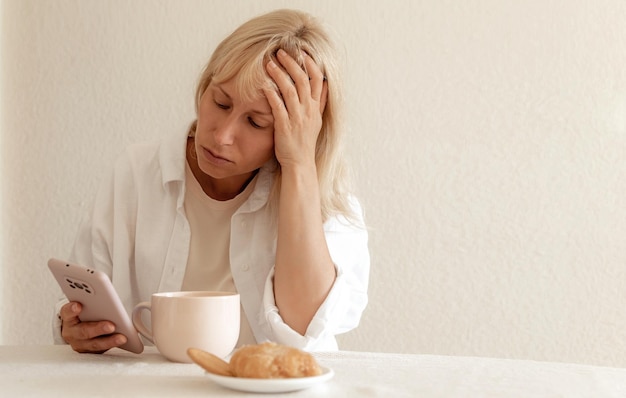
(69, 313)
(100, 344)
(324, 96)
(277, 105)
(287, 90)
(297, 75)
(87, 330)
(316, 77)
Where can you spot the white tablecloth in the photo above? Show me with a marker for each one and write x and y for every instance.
(42, 371)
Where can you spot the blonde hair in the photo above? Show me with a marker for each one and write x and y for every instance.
(244, 54)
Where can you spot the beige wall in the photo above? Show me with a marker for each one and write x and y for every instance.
(488, 140)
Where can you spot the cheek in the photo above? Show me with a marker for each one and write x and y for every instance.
(263, 147)
(206, 109)
(204, 115)
(206, 124)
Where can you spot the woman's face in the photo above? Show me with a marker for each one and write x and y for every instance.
(233, 138)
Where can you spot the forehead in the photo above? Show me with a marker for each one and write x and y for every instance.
(246, 79)
(229, 89)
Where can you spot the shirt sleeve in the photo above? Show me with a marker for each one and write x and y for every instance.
(342, 309)
(56, 322)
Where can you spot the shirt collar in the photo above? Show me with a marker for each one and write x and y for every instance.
(172, 156)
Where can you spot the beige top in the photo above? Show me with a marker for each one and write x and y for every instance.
(208, 264)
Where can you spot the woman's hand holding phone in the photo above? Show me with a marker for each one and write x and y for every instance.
(88, 337)
(94, 320)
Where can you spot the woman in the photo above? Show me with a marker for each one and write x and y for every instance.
(252, 199)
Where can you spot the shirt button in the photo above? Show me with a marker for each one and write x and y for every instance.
(245, 267)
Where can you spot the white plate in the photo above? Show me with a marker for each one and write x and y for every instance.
(271, 385)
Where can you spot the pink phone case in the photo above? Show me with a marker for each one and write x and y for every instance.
(94, 290)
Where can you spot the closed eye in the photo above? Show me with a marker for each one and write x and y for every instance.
(221, 106)
(254, 124)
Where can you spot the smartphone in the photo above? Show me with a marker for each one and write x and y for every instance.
(95, 292)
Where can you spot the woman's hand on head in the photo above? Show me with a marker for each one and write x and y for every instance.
(93, 337)
(297, 110)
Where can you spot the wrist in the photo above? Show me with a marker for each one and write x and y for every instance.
(299, 170)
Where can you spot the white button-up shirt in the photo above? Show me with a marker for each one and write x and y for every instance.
(138, 234)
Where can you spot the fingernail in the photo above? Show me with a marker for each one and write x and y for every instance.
(282, 52)
(108, 329)
(120, 339)
(272, 64)
(74, 307)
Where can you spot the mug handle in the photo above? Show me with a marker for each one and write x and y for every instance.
(138, 323)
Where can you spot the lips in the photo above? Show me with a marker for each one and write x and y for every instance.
(213, 157)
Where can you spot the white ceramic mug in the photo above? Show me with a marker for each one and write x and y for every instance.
(180, 320)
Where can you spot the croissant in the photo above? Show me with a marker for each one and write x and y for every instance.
(272, 361)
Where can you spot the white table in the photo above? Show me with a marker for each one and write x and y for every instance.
(49, 371)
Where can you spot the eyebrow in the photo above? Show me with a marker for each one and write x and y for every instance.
(219, 87)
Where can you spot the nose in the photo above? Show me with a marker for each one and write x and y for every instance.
(225, 131)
